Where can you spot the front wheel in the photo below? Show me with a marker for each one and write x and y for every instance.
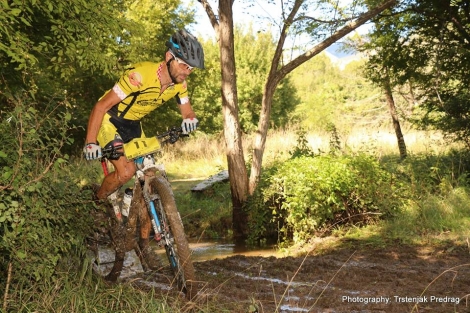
(176, 244)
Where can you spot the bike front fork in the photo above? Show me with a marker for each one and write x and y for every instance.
(156, 224)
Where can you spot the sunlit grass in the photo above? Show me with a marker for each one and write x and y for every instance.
(195, 158)
(201, 155)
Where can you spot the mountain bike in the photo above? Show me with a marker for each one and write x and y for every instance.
(152, 199)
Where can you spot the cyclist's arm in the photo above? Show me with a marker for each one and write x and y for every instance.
(186, 110)
(97, 113)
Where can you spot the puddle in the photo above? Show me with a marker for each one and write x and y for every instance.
(205, 251)
(275, 280)
(289, 308)
(202, 251)
(103, 262)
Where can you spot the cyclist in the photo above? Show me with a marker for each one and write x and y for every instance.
(115, 118)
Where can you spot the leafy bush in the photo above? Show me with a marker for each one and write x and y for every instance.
(43, 214)
(302, 147)
(264, 220)
(313, 193)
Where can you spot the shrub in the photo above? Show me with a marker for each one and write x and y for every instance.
(42, 213)
(314, 193)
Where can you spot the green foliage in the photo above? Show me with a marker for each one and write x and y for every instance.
(155, 22)
(253, 54)
(42, 213)
(330, 92)
(335, 143)
(424, 47)
(266, 219)
(205, 95)
(312, 194)
(302, 147)
(433, 173)
(79, 34)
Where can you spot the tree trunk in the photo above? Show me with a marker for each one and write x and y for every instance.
(232, 131)
(393, 113)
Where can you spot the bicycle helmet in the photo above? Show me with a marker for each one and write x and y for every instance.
(186, 47)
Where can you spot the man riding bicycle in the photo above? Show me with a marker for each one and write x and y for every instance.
(145, 86)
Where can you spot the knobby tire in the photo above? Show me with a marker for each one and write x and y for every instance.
(162, 187)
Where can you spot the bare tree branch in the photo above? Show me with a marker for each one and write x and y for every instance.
(212, 17)
(363, 18)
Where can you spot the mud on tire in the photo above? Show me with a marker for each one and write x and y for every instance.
(184, 271)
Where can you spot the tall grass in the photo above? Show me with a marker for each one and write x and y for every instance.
(203, 155)
(194, 158)
(74, 292)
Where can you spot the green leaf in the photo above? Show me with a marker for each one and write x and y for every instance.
(7, 175)
(25, 21)
(15, 12)
(21, 254)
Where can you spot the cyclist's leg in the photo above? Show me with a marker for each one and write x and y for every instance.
(123, 168)
(123, 171)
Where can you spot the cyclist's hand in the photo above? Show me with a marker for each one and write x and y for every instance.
(189, 125)
(92, 151)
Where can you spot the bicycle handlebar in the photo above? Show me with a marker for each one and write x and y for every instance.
(170, 136)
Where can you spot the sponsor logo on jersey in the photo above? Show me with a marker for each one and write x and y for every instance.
(135, 79)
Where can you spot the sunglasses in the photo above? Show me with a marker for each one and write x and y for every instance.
(183, 64)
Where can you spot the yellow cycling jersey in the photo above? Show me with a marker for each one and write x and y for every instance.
(139, 90)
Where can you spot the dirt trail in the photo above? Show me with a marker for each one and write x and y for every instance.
(400, 279)
(396, 279)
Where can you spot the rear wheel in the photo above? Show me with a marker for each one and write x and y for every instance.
(176, 244)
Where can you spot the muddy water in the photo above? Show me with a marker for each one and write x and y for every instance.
(320, 283)
(202, 251)
(210, 250)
